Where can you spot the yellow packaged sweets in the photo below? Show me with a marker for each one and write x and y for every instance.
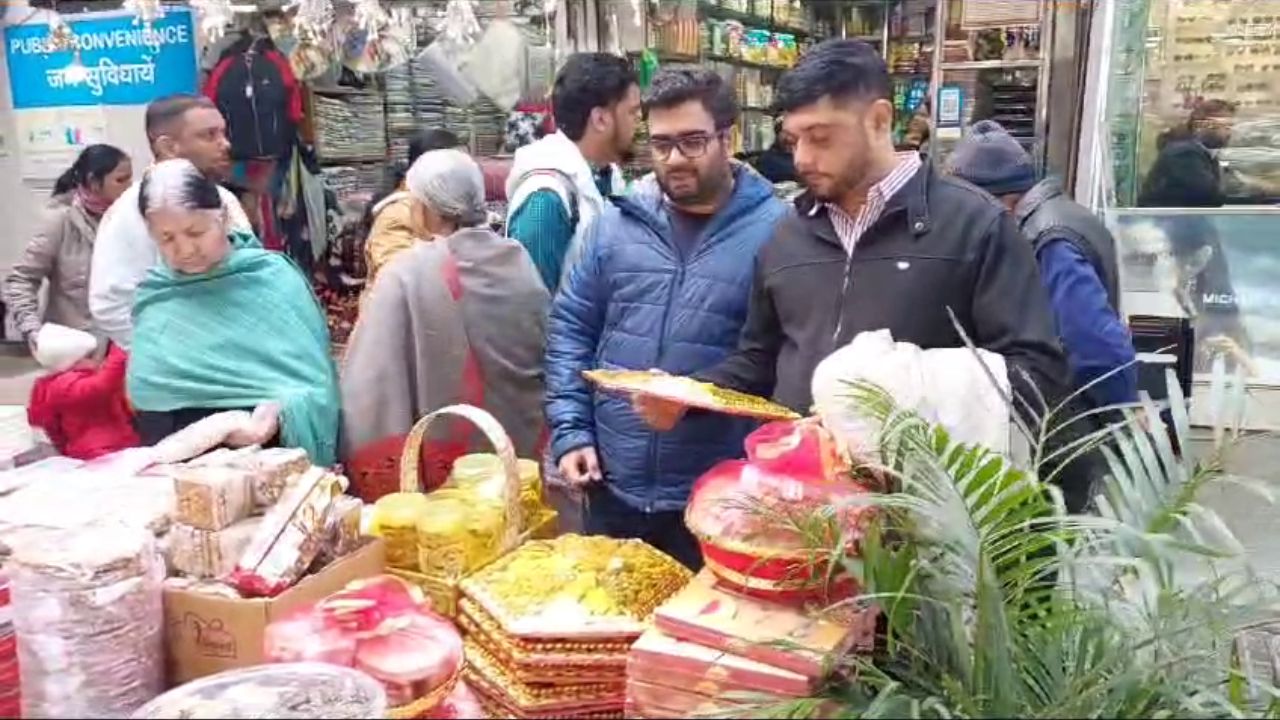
(395, 520)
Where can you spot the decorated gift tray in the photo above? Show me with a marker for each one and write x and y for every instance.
(554, 662)
(488, 677)
(689, 392)
(576, 588)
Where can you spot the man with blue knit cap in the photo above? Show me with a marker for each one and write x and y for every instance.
(1076, 255)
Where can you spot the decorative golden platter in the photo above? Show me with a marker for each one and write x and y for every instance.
(576, 588)
(689, 392)
(553, 663)
(486, 674)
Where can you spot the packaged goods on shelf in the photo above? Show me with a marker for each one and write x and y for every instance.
(87, 612)
(297, 690)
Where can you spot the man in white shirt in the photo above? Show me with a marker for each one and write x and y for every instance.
(178, 126)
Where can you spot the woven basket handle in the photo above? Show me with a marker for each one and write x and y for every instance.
(411, 459)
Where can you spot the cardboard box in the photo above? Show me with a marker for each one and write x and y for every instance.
(206, 634)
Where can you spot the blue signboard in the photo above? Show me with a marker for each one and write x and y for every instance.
(122, 62)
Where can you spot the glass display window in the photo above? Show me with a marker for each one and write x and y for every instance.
(1195, 103)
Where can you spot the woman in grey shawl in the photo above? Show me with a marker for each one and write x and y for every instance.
(459, 320)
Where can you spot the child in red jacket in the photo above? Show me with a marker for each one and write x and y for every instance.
(84, 410)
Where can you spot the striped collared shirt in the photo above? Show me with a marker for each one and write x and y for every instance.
(851, 229)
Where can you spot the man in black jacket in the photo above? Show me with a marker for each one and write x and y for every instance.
(880, 240)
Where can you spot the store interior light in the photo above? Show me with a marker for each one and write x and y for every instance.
(244, 8)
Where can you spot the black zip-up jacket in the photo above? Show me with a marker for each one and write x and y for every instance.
(940, 243)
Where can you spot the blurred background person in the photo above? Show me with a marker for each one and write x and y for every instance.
(61, 251)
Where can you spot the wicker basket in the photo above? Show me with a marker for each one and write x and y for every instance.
(411, 460)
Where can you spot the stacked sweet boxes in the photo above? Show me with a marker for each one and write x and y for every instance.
(713, 652)
(10, 690)
(555, 657)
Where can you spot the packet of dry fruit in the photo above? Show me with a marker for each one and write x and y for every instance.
(271, 470)
(341, 531)
(290, 536)
(209, 553)
(211, 498)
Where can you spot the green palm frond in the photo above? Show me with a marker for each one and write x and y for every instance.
(1000, 604)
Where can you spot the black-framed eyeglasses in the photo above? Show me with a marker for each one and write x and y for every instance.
(691, 146)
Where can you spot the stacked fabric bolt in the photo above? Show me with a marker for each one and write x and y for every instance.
(350, 127)
(547, 627)
(10, 690)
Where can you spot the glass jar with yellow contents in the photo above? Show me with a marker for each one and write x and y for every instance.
(530, 489)
(457, 535)
(395, 520)
(483, 477)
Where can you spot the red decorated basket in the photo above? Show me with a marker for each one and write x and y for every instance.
(768, 525)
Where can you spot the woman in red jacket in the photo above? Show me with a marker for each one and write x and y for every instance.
(84, 409)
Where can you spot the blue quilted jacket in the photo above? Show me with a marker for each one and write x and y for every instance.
(632, 302)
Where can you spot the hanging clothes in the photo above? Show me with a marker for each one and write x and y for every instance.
(256, 91)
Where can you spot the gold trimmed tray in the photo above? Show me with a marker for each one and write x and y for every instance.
(567, 666)
(689, 392)
(576, 588)
(485, 674)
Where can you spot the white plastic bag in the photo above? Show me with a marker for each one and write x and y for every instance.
(497, 64)
(58, 347)
(948, 386)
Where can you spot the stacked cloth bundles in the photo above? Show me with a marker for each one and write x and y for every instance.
(716, 653)
(547, 628)
(10, 690)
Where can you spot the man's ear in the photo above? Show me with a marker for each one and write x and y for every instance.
(164, 146)
(881, 115)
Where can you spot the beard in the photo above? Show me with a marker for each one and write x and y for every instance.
(701, 189)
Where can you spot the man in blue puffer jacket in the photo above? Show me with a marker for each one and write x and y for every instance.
(663, 283)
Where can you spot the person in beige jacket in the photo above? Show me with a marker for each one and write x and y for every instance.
(390, 230)
(62, 248)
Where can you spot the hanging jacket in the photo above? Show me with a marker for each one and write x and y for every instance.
(633, 302)
(84, 411)
(256, 91)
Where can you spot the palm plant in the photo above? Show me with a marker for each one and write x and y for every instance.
(998, 603)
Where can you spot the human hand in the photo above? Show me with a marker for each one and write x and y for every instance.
(580, 467)
(262, 426)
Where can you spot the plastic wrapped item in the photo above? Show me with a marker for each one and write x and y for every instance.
(211, 498)
(462, 704)
(496, 64)
(395, 520)
(659, 659)
(201, 436)
(271, 471)
(289, 538)
(381, 627)
(341, 530)
(87, 610)
(266, 692)
(757, 519)
(456, 537)
(209, 553)
(576, 587)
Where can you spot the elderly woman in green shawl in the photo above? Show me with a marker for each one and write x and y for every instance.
(221, 324)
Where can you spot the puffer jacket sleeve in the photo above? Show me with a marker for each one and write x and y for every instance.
(576, 322)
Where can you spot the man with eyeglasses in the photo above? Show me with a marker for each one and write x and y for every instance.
(663, 283)
(880, 240)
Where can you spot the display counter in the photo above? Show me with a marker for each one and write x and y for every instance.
(1219, 268)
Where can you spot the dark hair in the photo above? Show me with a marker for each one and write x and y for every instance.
(677, 87)
(840, 69)
(588, 81)
(194, 190)
(1205, 109)
(92, 165)
(163, 112)
(422, 141)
